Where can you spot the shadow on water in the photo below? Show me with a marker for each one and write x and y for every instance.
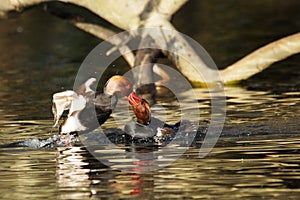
(257, 155)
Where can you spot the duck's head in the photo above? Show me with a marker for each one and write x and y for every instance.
(122, 85)
(118, 84)
(140, 107)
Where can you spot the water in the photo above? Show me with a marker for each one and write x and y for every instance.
(256, 157)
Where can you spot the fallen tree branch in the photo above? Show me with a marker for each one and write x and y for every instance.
(125, 14)
(131, 14)
(262, 58)
(105, 34)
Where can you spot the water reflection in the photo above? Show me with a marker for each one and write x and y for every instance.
(23, 172)
(253, 168)
(257, 155)
(79, 171)
(72, 173)
(245, 159)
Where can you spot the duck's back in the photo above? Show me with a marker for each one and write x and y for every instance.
(97, 111)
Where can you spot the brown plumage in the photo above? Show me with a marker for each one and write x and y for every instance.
(140, 107)
(118, 84)
(88, 109)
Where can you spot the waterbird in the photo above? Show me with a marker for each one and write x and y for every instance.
(88, 109)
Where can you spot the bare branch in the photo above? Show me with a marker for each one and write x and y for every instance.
(169, 7)
(262, 58)
(131, 14)
(125, 51)
(17, 5)
(104, 34)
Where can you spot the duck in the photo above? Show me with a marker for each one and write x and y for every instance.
(89, 109)
(144, 126)
(140, 106)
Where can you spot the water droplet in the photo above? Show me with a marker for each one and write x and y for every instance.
(20, 29)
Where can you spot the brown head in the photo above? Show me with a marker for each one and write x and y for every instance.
(122, 85)
(118, 84)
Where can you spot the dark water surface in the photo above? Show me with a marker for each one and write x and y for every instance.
(257, 156)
